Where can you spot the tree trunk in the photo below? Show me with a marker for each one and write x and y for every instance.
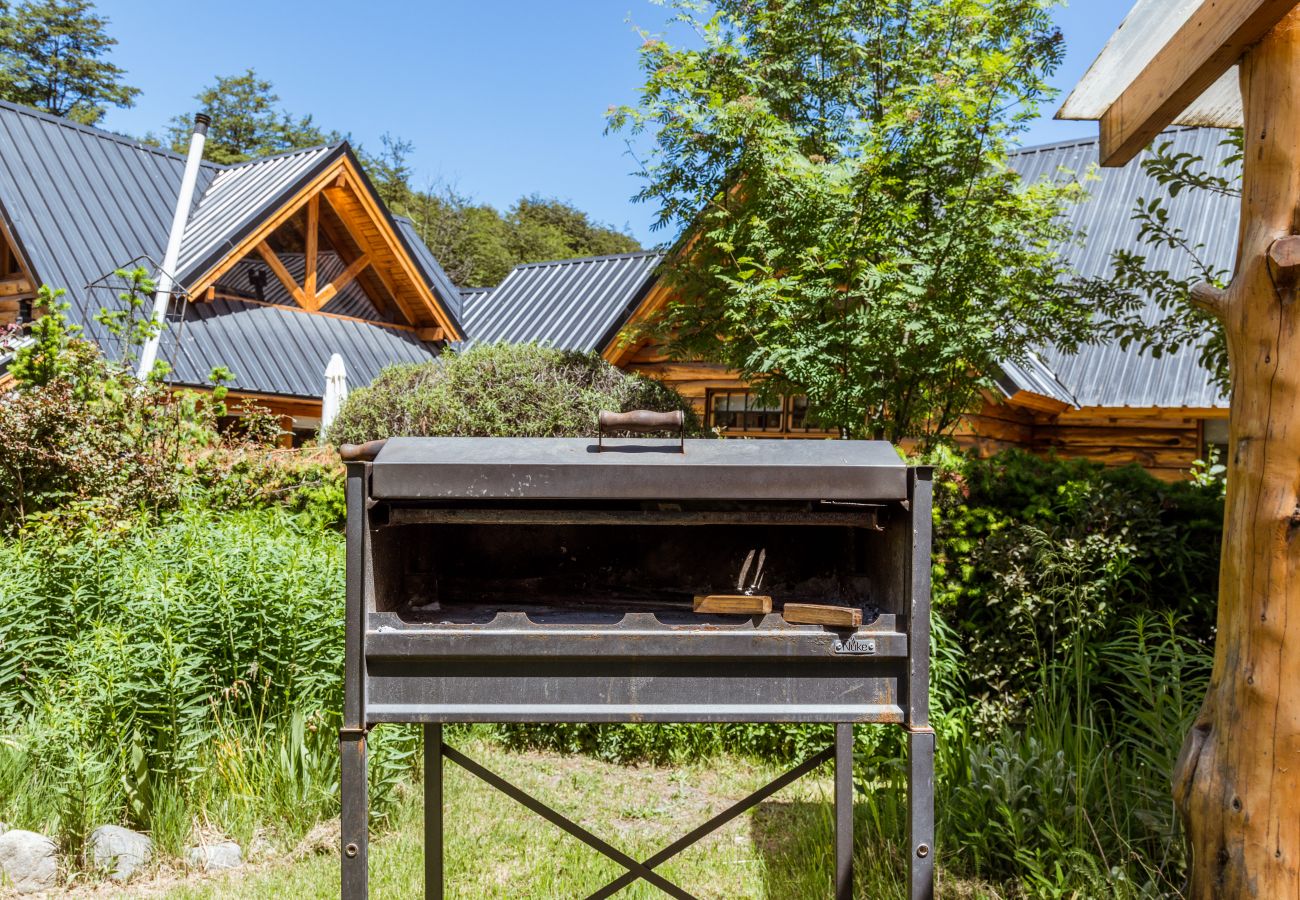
(1237, 782)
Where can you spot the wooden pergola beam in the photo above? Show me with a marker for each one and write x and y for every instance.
(1208, 44)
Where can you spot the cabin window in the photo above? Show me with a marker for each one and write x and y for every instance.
(1215, 433)
(743, 411)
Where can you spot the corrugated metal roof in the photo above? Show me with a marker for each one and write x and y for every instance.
(437, 279)
(81, 202)
(1106, 375)
(572, 304)
(238, 198)
(1034, 376)
(276, 350)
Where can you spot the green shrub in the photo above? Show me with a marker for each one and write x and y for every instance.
(1035, 558)
(81, 435)
(502, 390)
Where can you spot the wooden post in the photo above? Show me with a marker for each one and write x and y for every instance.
(1237, 781)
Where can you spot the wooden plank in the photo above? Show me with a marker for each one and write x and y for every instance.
(1208, 44)
(283, 274)
(430, 335)
(733, 604)
(1037, 402)
(309, 252)
(12, 285)
(343, 280)
(822, 614)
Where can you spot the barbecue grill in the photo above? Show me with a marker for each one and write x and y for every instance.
(634, 579)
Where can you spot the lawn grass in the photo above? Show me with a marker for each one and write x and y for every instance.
(783, 848)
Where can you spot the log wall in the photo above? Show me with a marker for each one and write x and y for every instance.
(1165, 442)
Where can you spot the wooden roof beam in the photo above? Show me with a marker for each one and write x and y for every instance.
(283, 274)
(343, 280)
(1209, 43)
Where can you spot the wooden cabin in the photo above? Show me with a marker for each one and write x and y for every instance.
(290, 259)
(1105, 403)
(284, 260)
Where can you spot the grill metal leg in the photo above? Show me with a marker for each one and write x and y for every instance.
(354, 816)
(920, 803)
(433, 812)
(844, 811)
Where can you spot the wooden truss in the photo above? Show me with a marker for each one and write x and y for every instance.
(364, 224)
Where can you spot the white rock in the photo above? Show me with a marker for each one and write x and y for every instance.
(27, 861)
(223, 855)
(3, 827)
(119, 850)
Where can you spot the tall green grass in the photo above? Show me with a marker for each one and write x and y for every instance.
(184, 674)
(175, 675)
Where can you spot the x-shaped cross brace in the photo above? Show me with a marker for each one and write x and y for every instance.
(635, 869)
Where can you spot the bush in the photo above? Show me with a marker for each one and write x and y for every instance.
(1035, 559)
(82, 435)
(502, 390)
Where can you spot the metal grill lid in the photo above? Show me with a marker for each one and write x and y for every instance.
(451, 468)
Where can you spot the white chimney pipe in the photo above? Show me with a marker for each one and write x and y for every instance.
(149, 353)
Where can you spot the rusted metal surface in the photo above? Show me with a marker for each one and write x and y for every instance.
(541, 581)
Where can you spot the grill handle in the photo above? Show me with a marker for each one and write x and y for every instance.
(641, 421)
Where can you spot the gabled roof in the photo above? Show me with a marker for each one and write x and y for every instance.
(571, 304)
(240, 196)
(1106, 375)
(443, 286)
(81, 202)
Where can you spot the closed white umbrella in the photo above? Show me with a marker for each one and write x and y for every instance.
(336, 391)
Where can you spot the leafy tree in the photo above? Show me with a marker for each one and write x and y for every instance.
(854, 231)
(53, 56)
(1135, 279)
(246, 122)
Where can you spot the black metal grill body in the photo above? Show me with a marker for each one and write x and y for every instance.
(547, 580)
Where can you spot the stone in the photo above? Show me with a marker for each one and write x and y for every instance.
(28, 861)
(221, 855)
(119, 851)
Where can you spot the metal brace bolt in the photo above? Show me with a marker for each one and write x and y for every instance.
(350, 851)
(923, 850)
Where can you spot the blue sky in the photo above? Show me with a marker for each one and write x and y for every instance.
(500, 97)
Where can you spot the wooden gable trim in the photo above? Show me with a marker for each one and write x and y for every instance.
(355, 184)
(620, 350)
(343, 180)
(1208, 44)
(1038, 402)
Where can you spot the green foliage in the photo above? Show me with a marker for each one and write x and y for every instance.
(1135, 279)
(82, 437)
(863, 240)
(246, 122)
(473, 242)
(519, 390)
(53, 56)
(1017, 537)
